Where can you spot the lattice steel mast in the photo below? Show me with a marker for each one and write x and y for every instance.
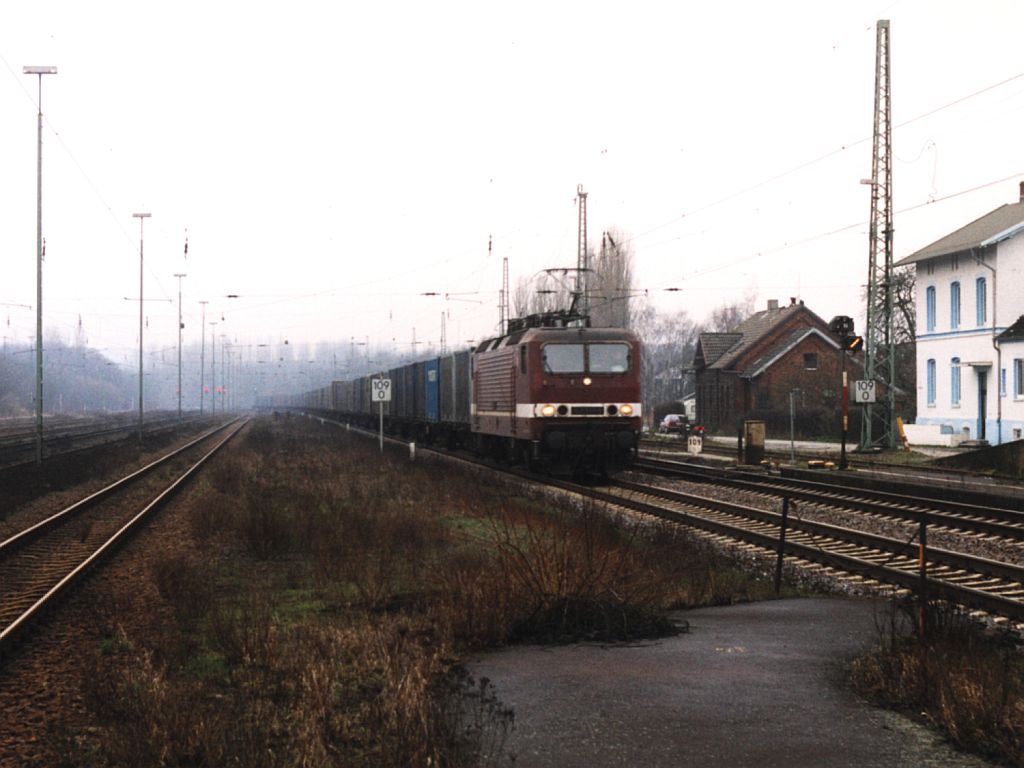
(877, 426)
(582, 259)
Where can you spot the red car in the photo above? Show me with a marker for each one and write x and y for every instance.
(678, 424)
(674, 424)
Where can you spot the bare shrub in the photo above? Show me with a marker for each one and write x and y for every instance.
(211, 514)
(150, 718)
(571, 575)
(186, 583)
(243, 631)
(473, 606)
(967, 681)
(265, 521)
(229, 472)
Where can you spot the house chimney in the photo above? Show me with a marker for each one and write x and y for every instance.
(773, 303)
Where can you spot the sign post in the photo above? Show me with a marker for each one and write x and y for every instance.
(381, 393)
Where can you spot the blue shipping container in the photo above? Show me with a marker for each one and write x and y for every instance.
(432, 389)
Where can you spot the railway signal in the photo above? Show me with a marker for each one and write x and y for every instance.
(842, 326)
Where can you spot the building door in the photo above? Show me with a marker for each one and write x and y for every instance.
(982, 401)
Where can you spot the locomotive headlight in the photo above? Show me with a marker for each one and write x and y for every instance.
(587, 381)
(626, 409)
(547, 410)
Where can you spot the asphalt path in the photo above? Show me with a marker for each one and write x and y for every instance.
(759, 684)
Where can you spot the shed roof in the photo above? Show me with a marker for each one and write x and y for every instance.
(1014, 333)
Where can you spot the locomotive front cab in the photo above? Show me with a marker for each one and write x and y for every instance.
(585, 397)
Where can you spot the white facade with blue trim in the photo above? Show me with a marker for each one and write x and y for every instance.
(970, 332)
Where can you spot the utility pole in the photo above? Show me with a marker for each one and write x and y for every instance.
(582, 259)
(213, 367)
(505, 313)
(179, 275)
(202, 357)
(877, 426)
(40, 250)
(223, 373)
(142, 219)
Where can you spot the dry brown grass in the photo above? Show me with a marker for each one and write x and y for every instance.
(333, 591)
(966, 681)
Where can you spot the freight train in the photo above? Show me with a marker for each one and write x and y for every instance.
(548, 394)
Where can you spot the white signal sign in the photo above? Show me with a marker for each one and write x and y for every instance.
(864, 391)
(381, 390)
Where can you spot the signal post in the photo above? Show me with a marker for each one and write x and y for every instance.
(381, 392)
(842, 326)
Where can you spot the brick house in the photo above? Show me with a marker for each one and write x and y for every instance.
(750, 372)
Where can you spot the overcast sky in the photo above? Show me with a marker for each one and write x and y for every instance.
(331, 161)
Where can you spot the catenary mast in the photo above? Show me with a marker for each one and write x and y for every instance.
(582, 258)
(877, 426)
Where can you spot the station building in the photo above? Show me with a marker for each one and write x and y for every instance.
(781, 363)
(969, 293)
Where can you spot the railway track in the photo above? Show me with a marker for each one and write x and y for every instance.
(41, 563)
(993, 587)
(984, 514)
(62, 436)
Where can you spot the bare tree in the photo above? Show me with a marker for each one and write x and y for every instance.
(610, 285)
(905, 317)
(904, 337)
(668, 341)
(548, 291)
(727, 316)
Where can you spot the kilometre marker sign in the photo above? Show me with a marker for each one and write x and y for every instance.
(381, 390)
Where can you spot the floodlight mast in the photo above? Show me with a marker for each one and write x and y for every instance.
(142, 218)
(39, 71)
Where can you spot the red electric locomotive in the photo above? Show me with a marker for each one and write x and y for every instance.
(558, 398)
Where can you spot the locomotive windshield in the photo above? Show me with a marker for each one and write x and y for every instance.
(585, 358)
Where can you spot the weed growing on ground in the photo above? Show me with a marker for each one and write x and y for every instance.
(322, 621)
(967, 681)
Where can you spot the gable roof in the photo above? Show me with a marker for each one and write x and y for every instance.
(712, 346)
(1004, 222)
(752, 329)
(723, 351)
(773, 354)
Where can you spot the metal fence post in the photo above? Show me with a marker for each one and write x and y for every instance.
(782, 545)
(922, 565)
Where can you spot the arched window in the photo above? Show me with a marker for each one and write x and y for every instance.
(931, 382)
(954, 305)
(954, 381)
(981, 299)
(929, 305)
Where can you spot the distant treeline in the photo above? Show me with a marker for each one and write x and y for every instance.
(75, 379)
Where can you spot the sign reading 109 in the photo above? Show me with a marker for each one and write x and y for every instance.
(864, 391)
(381, 391)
